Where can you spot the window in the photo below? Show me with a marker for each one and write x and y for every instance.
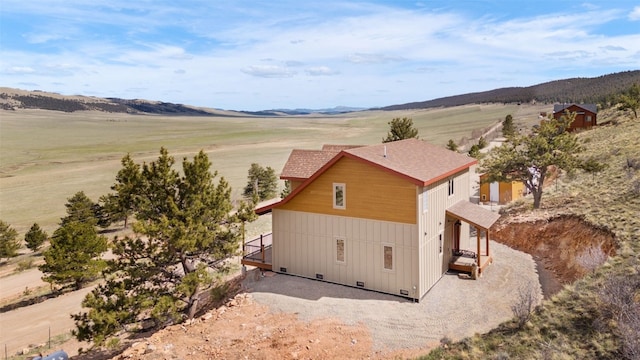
(425, 201)
(388, 257)
(588, 118)
(450, 187)
(339, 196)
(340, 250)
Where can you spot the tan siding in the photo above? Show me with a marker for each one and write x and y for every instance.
(431, 264)
(299, 248)
(371, 193)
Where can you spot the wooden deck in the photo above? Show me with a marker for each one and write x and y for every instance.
(465, 262)
(257, 252)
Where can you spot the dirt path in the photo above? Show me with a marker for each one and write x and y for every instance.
(16, 284)
(30, 325)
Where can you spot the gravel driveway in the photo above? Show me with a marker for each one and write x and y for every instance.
(454, 307)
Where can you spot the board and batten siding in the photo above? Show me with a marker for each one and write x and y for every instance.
(371, 193)
(433, 222)
(305, 244)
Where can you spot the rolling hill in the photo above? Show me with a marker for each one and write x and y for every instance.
(601, 90)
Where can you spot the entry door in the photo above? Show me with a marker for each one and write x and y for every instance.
(494, 192)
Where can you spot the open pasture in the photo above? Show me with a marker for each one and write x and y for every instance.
(47, 156)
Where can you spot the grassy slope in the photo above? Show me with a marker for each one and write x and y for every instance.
(564, 326)
(47, 156)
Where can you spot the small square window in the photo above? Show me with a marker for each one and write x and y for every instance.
(339, 196)
(340, 250)
(388, 257)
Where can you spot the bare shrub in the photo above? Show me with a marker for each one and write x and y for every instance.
(591, 258)
(525, 304)
(620, 310)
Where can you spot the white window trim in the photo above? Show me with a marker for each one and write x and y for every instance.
(393, 257)
(335, 251)
(344, 196)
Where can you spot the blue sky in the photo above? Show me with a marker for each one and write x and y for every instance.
(253, 55)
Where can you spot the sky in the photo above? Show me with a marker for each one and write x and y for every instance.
(258, 55)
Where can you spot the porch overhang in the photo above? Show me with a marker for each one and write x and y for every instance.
(473, 214)
(481, 219)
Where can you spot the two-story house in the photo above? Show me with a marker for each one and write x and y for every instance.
(387, 217)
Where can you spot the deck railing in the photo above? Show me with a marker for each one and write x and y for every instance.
(255, 249)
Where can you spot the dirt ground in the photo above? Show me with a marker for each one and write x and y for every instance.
(288, 317)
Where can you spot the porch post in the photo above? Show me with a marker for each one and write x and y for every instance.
(488, 253)
(479, 255)
(261, 249)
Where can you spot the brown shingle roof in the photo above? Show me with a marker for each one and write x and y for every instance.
(304, 163)
(418, 160)
(473, 214)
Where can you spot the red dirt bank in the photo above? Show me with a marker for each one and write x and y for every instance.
(566, 245)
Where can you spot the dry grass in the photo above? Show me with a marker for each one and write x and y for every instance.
(48, 156)
(570, 325)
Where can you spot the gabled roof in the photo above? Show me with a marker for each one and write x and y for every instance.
(589, 107)
(414, 160)
(304, 163)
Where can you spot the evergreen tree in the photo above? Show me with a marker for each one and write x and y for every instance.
(400, 129)
(35, 237)
(508, 129)
(474, 152)
(9, 242)
(287, 189)
(120, 205)
(451, 145)
(262, 182)
(526, 158)
(185, 229)
(482, 143)
(74, 255)
(630, 100)
(81, 209)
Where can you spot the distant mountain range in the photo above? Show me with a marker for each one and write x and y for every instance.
(600, 90)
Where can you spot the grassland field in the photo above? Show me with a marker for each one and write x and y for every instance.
(47, 156)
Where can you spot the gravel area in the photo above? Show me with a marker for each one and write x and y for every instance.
(454, 307)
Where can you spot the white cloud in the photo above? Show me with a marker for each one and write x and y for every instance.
(20, 70)
(634, 15)
(361, 58)
(268, 71)
(321, 71)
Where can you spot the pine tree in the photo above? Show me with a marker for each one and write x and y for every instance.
(74, 255)
(81, 209)
(35, 237)
(508, 129)
(451, 145)
(119, 206)
(9, 242)
(526, 158)
(262, 182)
(400, 129)
(185, 229)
